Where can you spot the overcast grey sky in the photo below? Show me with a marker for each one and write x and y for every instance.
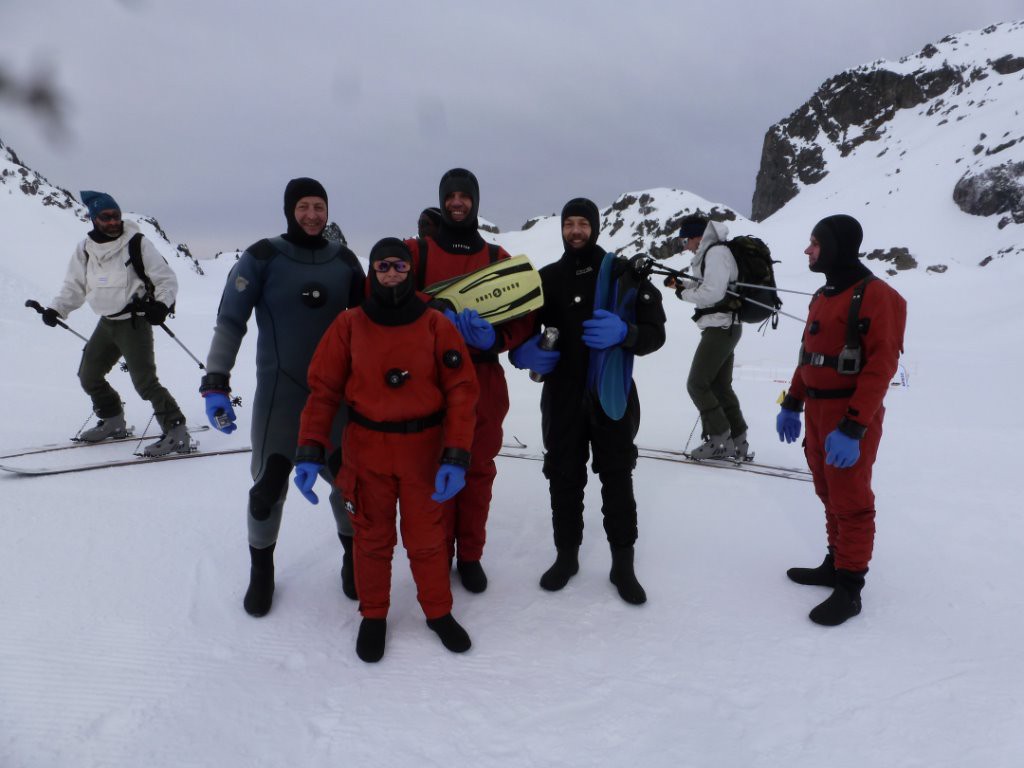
(198, 111)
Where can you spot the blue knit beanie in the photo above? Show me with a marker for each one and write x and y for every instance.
(693, 225)
(98, 201)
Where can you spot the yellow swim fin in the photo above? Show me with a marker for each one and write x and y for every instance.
(501, 291)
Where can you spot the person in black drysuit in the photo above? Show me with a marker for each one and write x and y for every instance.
(573, 420)
(297, 284)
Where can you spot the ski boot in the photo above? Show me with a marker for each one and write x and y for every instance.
(715, 447)
(176, 440)
(112, 427)
(741, 448)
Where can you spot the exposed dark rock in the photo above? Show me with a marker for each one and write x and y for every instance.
(1007, 65)
(995, 190)
(623, 203)
(1001, 147)
(937, 268)
(333, 233)
(653, 234)
(492, 228)
(899, 257)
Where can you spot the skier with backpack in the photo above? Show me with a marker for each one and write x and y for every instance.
(709, 383)
(129, 284)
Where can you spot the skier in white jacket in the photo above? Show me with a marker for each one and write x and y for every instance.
(710, 381)
(129, 304)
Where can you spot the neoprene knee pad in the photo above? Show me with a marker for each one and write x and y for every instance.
(271, 486)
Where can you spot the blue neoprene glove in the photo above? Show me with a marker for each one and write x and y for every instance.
(449, 481)
(787, 424)
(530, 357)
(605, 329)
(305, 476)
(477, 332)
(450, 314)
(841, 451)
(219, 412)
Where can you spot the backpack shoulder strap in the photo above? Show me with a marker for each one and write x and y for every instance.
(493, 252)
(135, 259)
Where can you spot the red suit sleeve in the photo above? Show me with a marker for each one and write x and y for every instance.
(458, 383)
(328, 373)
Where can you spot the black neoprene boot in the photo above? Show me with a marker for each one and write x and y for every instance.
(260, 595)
(348, 572)
(452, 635)
(843, 603)
(623, 577)
(566, 565)
(822, 576)
(472, 575)
(370, 641)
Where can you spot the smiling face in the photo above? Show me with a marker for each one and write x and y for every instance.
(458, 205)
(311, 215)
(576, 231)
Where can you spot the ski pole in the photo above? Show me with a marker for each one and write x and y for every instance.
(187, 352)
(33, 304)
(771, 288)
(649, 268)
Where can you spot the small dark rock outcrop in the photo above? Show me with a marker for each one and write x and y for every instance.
(996, 190)
(899, 257)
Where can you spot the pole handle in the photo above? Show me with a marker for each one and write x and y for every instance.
(33, 304)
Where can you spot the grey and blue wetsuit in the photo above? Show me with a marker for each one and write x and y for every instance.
(296, 293)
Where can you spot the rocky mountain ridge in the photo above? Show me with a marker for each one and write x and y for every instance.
(962, 77)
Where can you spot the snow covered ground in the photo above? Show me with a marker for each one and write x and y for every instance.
(124, 642)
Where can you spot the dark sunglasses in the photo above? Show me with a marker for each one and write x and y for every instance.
(108, 217)
(385, 266)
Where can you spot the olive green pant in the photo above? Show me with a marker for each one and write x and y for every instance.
(710, 382)
(134, 340)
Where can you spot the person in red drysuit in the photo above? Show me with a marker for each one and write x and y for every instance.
(402, 371)
(454, 250)
(842, 394)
